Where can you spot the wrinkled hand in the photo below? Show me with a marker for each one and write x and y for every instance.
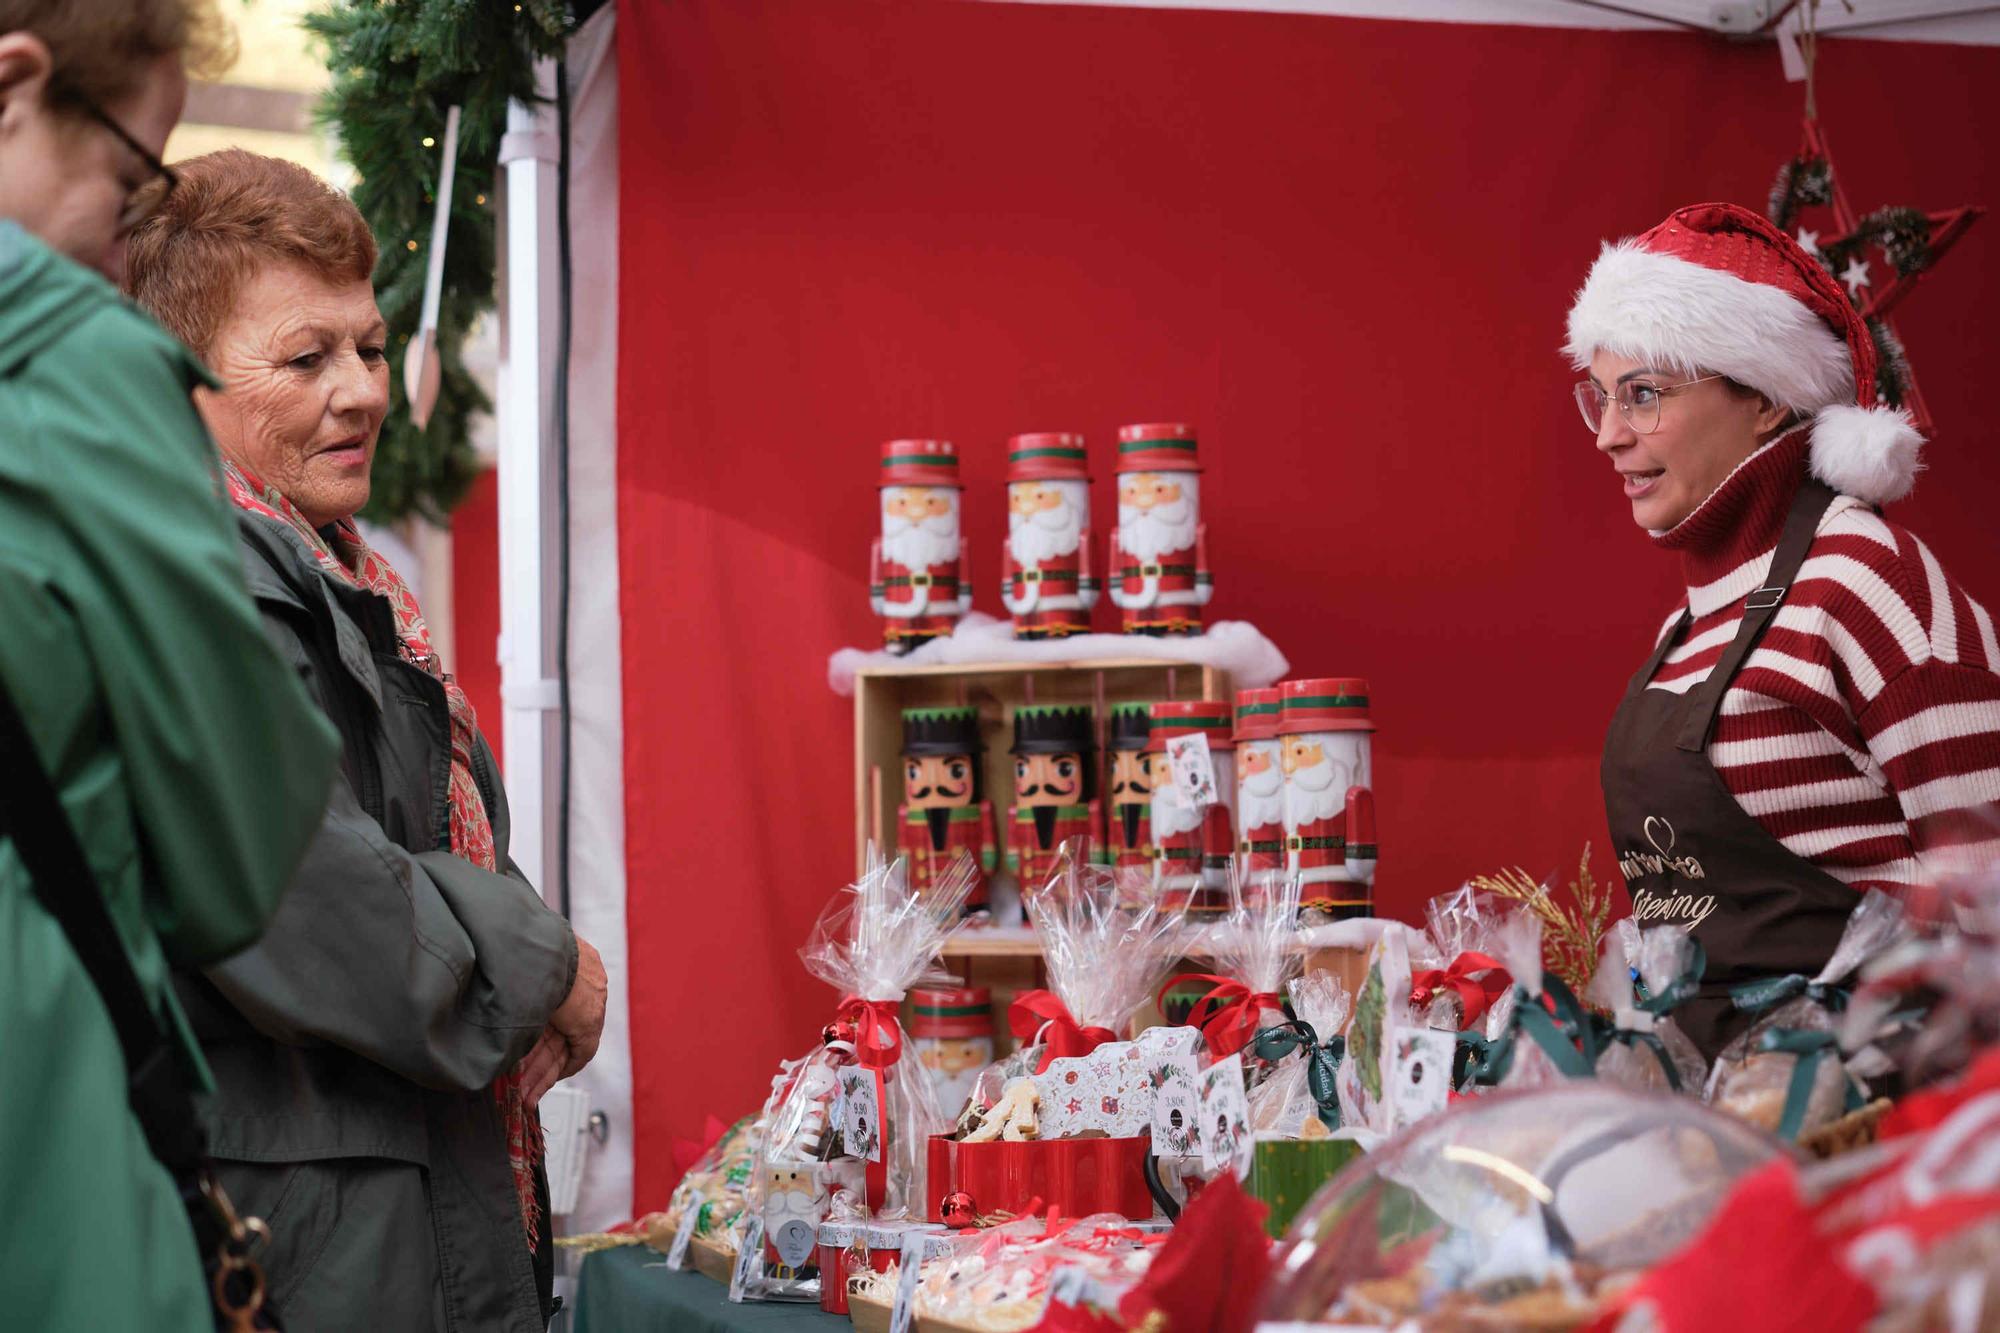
(570, 1039)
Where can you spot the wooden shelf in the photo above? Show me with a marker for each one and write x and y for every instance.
(913, 671)
(1000, 942)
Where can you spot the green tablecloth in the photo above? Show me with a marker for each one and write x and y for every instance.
(629, 1290)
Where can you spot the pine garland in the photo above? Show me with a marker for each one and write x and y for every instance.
(397, 66)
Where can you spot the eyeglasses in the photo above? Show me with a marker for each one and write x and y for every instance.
(1638, 400)
(150, 197)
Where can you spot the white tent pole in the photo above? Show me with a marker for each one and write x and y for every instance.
(528, 525)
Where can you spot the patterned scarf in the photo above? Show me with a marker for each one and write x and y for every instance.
(343, 552)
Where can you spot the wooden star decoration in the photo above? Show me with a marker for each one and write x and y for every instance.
(1852, 233)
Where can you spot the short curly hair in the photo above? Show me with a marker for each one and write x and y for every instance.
(99, 49)
(233, 214)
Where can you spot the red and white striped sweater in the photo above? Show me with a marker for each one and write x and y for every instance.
(1864, 731)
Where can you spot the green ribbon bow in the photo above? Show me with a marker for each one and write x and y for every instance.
(1567, 1037)
(1769, 992)
(1808, 1048)
(1322, 1061)
(1681, 989)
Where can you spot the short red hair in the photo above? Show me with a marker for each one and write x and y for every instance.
(233, 214)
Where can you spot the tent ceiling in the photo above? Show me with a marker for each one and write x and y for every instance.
(1969, 21)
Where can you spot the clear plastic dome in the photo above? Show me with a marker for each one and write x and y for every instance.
(1514, 1210)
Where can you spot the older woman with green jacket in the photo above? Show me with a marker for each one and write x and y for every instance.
(154, 703)
(380, 1052)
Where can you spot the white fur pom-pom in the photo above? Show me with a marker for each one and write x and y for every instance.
(1869, 453)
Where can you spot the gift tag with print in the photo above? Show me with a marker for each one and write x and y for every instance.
(902, 1313)
(1420, 1074)
(1193, 769)
(1172, 1054)
(749, 1260)
(1225, 1117)
(677, 1252)
(859, 1112)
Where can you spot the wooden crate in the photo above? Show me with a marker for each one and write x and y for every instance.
(996, 689)
(1006, 961)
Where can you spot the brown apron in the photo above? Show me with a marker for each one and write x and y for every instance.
(1692, 856)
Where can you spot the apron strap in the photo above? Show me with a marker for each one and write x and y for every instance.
(1801, 525)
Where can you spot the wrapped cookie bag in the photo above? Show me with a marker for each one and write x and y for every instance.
(1788, 1072)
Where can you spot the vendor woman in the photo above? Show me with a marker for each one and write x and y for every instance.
(1822, 715)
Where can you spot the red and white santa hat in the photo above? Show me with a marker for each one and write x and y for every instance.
(1718, 289)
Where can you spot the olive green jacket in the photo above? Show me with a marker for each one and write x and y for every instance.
(192, 764)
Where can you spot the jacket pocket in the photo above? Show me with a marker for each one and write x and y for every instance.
(300, 1203)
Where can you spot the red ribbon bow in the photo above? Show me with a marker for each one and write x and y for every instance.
(1227, 1015)
(1475, 997)
(1043, 1012)
(878, 1036)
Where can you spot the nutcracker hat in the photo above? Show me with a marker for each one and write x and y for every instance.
(933, 731)
(1047, 456)
(1185, 717)
(1718, 289)
(1131, 725)
(1257, 714)
(1053, 729)
(919, 463)
(1157, 447)
(1325, 703)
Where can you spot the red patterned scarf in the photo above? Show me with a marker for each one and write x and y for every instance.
(344, 553)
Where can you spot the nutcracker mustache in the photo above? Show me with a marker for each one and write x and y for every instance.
(918, 794)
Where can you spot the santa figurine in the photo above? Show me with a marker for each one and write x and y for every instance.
(914, 580)
(1159, 550)
(944, 811)
(1131, 800)
(1045, 579)
(1260, 789)
(795, 1203)
(1195, 836)
(1055, 757)
(1329, 801)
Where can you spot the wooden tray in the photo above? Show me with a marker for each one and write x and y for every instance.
(873, 1317)
(704, 1256)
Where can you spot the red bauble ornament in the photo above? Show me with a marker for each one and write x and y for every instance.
(840, 1029)
(956, 1209)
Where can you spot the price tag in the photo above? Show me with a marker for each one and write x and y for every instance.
(904, 1311)
(1193, 769)
(860, 1112)
(749, 1260)
(677, 1253)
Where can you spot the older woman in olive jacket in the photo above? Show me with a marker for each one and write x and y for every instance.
(381, 1051)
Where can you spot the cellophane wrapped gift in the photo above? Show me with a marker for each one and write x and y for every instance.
(1787, 1073)
(717, 1185)
(875, 940)
(1519, 1026)
(1256, 947)
(1645, 1049)
(1000, 1281)
(1455, 972)
(1299, 1099)
(1902, 1236)
(1511, 1212)
(1106, 947)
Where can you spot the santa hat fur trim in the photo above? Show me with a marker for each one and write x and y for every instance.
(1644, 303)
(1653, 307)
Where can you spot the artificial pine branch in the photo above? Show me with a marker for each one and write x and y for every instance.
(396, 69)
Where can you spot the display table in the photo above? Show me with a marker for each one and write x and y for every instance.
(630, 1290)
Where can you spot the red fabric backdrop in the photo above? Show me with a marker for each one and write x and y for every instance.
(1343, 248)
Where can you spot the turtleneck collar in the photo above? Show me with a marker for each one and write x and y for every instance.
(1729, 537)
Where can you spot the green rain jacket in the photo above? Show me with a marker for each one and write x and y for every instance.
(189, 757)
